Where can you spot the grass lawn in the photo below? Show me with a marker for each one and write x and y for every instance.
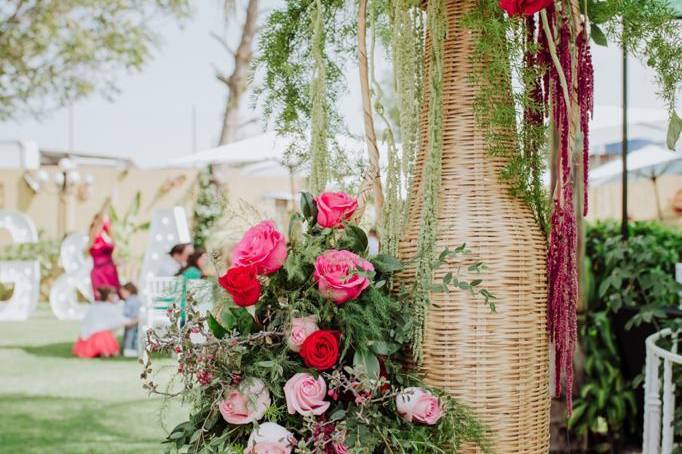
(51, 402)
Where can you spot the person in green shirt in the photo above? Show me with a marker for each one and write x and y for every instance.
(196, 264)
(194, 269)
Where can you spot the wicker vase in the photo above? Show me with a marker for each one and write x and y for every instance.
(497, 363)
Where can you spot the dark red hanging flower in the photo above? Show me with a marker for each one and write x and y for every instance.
(524, 7)
(241, 282)
(320, 350)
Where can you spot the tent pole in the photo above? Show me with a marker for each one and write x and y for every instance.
(624, 150)
(659, 210)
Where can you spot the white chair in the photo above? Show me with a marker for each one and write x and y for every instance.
(658, 428)
(158, 296)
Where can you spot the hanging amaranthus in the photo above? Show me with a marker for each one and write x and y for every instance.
(319, 153)
(426, 243)
(564, 46)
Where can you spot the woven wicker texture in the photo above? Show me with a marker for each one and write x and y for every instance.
(497, 363)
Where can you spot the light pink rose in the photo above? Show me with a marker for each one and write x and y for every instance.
(418, 405)
(247, 403)
(305, 395)
(337, 275)
(334, 207)
(301, 328)
(262, 246)
(270, 438)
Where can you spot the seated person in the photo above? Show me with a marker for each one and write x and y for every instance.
(131, 311)
(177, 258)
(96, 337)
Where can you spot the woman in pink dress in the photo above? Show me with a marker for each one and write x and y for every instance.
(96, 337)
(104, 272)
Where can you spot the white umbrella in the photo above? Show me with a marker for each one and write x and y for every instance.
(650, 162)
(606, 127)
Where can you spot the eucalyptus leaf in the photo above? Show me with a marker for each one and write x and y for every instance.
(369, 362)
(598, 35)
(386, 264)
(674, 130)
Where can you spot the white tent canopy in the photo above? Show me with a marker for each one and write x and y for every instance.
(264, 154)
(650, 162)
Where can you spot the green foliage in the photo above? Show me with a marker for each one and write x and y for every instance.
(125, 225)
(208, 208)
(606, 402)
(53, 52)
(649, 31)
(637, 274)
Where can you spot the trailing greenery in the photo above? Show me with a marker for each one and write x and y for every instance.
(650, 32)
(208, 207)
(303, 79)
(319, 111)
(436, 24)
(639, 275)
(498, 53)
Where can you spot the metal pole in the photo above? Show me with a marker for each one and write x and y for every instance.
(624, 150)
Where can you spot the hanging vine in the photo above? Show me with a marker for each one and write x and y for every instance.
(407, 50)
(293, 57)
(319, 118)
(436, 24)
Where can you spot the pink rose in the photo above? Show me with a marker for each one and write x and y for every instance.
(334, 207)
(270, 438)
(246, 404)
(340, 448)
(301, 328)
(305, 395)
(418, 405)
(262, 246)
(337, 276)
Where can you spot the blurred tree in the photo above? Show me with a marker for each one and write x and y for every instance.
(236, 82)
(53, 52)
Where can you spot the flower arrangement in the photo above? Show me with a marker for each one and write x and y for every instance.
(304, 353)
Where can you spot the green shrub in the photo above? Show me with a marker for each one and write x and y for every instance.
(638, 274)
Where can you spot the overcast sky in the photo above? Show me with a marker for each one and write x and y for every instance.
(151, 119)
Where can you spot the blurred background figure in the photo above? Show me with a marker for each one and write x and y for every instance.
(131, 311)
(101, 248)
(96, 337)
(195, 268)
(177, 259)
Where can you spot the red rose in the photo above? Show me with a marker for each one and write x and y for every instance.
(242, 283)
(320, 350)
(525, 7)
